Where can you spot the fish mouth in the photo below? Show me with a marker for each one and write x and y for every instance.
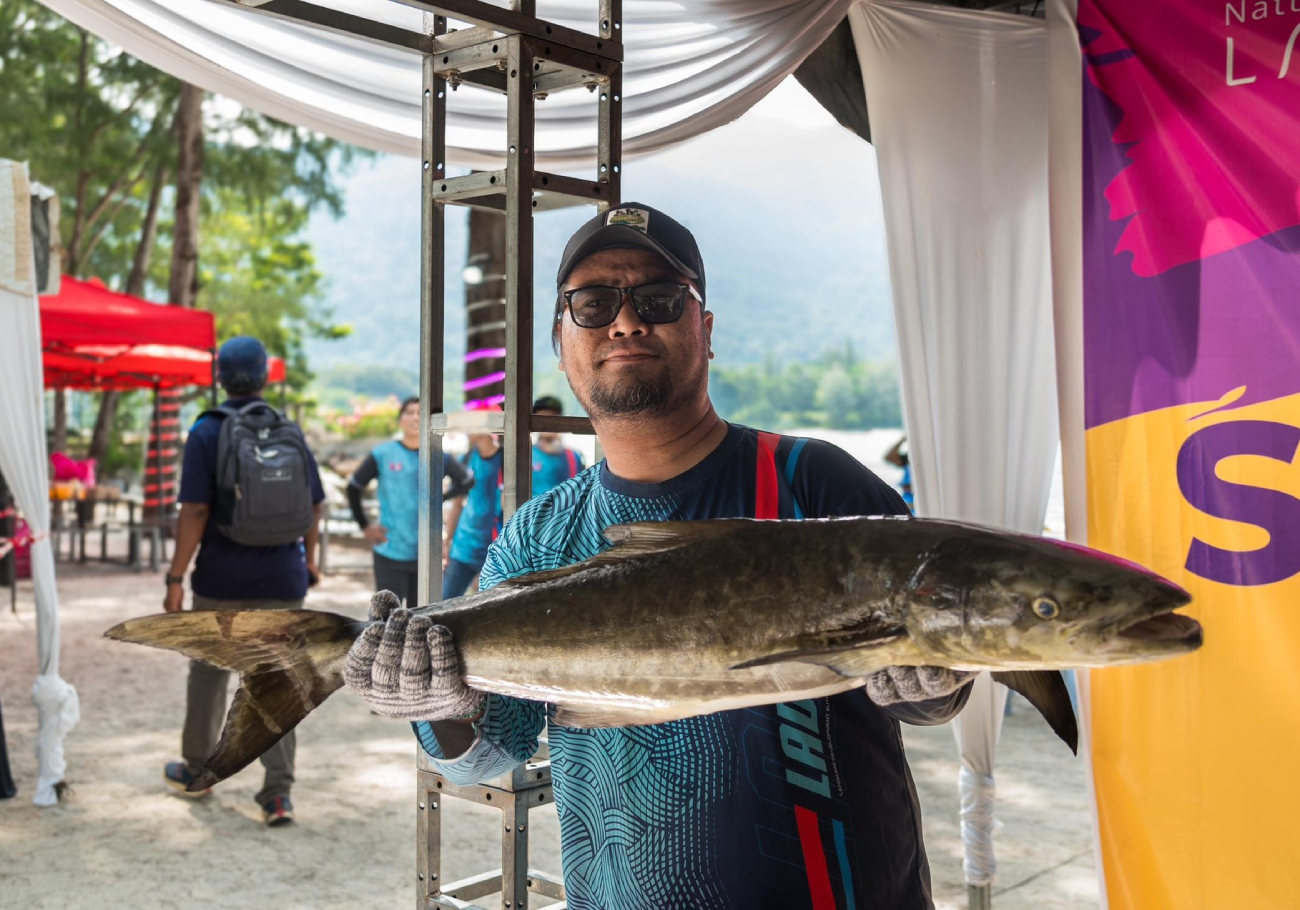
(1155, 636)
(1171, 627)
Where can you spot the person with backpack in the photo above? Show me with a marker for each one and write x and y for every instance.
(806, 805)
(553, 464)
(250, 505)
(396, 536)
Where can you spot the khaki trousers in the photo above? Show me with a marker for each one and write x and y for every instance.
(205, 709)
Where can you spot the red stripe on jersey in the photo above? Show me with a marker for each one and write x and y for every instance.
(814, 859)
(767, 498)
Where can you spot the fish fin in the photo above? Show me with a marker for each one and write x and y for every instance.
(537, 578)
(587, 716)
(590, 716)
(849, 653)
(643, 538)
(1046, 691)
(289, 662)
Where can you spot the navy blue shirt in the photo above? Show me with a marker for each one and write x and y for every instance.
(226, 570)
(807, 804)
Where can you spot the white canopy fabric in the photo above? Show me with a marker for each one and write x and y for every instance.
(24, 462)
(966, 217)
(680, 78)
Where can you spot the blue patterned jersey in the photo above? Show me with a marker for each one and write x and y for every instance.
(805, 804)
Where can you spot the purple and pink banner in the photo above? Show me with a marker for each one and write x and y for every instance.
(1190, 165)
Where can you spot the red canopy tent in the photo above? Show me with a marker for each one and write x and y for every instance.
(144, 366)
(87, 313)
(94, 338)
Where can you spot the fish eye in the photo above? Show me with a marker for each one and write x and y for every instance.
(1046, 608)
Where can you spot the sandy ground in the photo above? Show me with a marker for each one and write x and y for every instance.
(122, 839)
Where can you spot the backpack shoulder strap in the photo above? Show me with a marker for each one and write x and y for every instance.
(572, 459)
(223, 412)
(258, 405)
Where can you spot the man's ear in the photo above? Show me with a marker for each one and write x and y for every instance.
(708, 332)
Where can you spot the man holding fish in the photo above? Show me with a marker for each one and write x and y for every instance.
(807, 803)
(710, 742)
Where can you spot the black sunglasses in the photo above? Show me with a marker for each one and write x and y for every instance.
(656, 303)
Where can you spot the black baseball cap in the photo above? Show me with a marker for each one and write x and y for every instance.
(241, 364)
(637, 226)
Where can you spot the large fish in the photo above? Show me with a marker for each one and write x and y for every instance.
(686, 618)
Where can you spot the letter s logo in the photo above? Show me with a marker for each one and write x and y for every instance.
(1274, 511)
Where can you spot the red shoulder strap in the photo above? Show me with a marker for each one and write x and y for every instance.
(573, 462)
(767, 497)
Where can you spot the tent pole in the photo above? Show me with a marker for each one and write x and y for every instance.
(157, 451)
(979, 897)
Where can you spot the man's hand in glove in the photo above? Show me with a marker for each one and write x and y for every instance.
(893, 685)
(406, 667)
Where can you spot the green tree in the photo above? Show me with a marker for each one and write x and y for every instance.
(98, 125)
(102, 129)
(260, 278)
(92, 121)
(836, 397)
(837, 391)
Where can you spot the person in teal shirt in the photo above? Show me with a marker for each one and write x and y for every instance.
(553, 464)
(474, 523)
(396, 536)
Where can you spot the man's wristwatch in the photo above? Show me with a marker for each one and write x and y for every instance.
(174, 579)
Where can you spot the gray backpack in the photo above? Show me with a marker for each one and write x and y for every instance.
(263, 490)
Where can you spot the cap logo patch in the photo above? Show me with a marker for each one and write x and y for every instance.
(637, 219)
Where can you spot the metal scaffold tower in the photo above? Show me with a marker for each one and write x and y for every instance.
(512, 52)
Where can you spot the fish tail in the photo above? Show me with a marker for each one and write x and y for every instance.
(289, 662)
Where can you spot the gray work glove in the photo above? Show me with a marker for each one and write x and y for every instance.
(893, 685)
(405, 666)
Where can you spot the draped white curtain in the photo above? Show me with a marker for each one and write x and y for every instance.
(24, 463)
(688, 68)
(958, 106)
